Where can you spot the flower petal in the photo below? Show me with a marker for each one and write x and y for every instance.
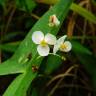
(57, 22)
(58, 44)
(56, 48)
(50, 39)
(61, 40)
(43, 50)
(37, 37)
(68, 46)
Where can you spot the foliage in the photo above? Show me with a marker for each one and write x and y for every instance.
(26, 57)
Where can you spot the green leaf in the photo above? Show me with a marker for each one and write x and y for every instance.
(94, 2)
(11, 35)
(53, 62)
(87, 59)
(83, 12)
(79, 48)
(28, 46)
(2, 2)
(26, 5)
(10, 47)
(11, 67)
(20, 84)
(34, 92)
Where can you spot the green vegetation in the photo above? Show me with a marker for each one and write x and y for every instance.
(36, 75)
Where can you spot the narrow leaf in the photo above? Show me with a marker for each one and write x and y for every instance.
(83, 12)
(28, 46)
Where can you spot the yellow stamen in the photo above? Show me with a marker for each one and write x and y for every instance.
(63, 46)
(43, 43)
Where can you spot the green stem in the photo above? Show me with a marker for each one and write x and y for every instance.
(83, 37)
(50, 2)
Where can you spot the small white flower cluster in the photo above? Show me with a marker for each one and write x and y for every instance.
(49, 39)
(43, 42)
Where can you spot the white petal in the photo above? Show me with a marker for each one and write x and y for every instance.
(43, 50)
(58, 44)
(57, 22)
(56, 48)
(68, 46)
(50, 39)
(61, 40)
(37, 37)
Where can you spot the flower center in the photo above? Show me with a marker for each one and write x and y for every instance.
(63, 46)
(43, 43)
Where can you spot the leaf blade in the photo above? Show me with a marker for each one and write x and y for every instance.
(83, 12)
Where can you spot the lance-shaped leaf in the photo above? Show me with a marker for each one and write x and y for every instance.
(83, 12)
(28, 46)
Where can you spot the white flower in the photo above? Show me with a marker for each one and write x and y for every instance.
(43, 42)
(62, 45)
(53, 21)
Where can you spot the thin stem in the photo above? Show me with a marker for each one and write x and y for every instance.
(80, 37)
(76, 85)
(61, 57)
(10, 18)
(58, 83)
(35, 16)
(57, 77)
